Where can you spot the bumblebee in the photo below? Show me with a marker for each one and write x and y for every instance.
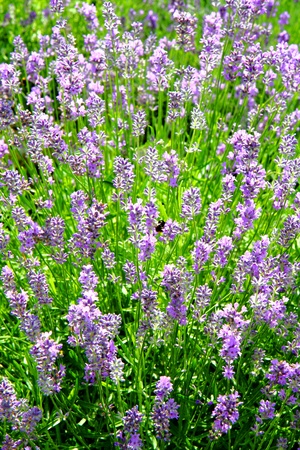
(160, 226)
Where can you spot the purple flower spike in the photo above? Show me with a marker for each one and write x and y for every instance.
(185, 29)
(163, 411)
(18, 413)
(124, 174)
(266, 410)
(163, 388)
(225, 413)
(130, 438)
(201, 254)
(191, 203)
(172, 167)
(45, 352)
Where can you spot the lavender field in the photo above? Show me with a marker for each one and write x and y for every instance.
(150, 225)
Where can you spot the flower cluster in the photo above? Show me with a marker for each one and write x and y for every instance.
(45, 352)
(226, 413)
(149, 197)
(231, 334)
(94, 332)
(130, 438)
(174, 280)
(18, 414)
(164, 410)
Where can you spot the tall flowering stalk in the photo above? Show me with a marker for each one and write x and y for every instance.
(17, 412)
(94, 332)
(164, 410)
(45, 352)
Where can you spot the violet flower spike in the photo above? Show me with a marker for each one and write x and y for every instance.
(164, 410)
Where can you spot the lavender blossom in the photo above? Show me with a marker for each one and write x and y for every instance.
(20, 55)
(30, 237)
(231, 349)
(203, 296)
(111, 19)
(231, 334)
(174, 281)
(54, 236)
(290, 230)
(154, 166)
(88, 279)
(9, 444)
(246, 147)
(90, 158)
(172, 167)
(45, 352)
(253, 180)
(163, 388)
(225, 413)
(31, 325)
(130, 438)
(266, 411)
(159, 65)
(163, 410)
(146, 246)
(285, 185)
(94, 332)
(108, 259)
(17, 412)
(35, 63)
(95, 111)
(191, 203)
(124, 174)
(131, 50)
(4, 239)
(69, 75)
(97, 64)
(151, 19)
(57, 6)
(90, 221)
(136, 214)
(171, 230)
(130, 272)
(14, 182)
(8, 402)
(210, 228)
(89, 12)
(8, 279)
(39, 285)
(224, 247)
(17, 302)
(284, 18)
(78, 204)
(200, 254)
(283, 36)
(250, 263)
(3, 149)
(151, 213)
(175, 105)
(148, 299)
(186, 29)
(280, 372)
(139, 123)
(198, 120)
(288, 145)
(247, 214)
(267, 309)
(282, 443)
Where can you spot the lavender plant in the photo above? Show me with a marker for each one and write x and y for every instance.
(149, 233)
